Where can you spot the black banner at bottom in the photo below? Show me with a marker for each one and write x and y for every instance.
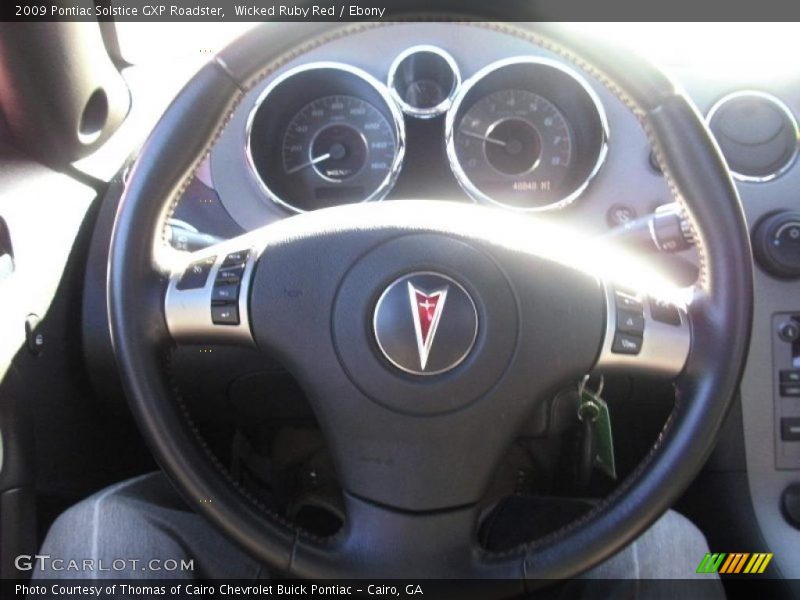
(130, 589)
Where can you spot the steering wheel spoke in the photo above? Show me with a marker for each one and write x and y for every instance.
(206, 300)
(644, 334)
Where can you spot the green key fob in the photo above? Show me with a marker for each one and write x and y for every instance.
(594, 409)
(603, 440)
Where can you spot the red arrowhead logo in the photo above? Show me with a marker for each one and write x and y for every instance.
(426, 308)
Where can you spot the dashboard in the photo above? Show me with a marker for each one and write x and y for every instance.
(386, 117)
(469, 114)
(525, 133)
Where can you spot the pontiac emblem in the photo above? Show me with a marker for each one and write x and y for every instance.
(425, 323)
(426, 310)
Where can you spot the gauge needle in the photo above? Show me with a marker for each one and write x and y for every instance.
(485, 138)
(313, 161)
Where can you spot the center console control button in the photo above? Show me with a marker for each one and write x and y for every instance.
(789, 331)
(790, 390)
(790, 505)
(790, 376)
(790, 429)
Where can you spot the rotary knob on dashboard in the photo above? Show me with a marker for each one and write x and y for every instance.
(776, 244)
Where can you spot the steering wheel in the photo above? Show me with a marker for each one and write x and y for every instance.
(425, 332)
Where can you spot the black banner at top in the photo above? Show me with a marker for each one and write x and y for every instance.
(391, 10)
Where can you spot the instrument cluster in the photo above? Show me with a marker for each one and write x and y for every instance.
(525, 133)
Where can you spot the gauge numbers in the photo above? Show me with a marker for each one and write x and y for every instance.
(335, 149)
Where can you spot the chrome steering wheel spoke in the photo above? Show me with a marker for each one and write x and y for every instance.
(644, 333)
(207, 299)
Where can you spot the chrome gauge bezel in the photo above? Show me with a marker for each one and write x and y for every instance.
(397, 123)
(444, 105)
(783, 108)
(468, 86)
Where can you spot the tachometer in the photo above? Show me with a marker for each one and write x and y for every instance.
(514, 144)
(526, 133)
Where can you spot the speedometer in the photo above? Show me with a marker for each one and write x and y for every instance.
(514, 144)
(338, 148)
(325, 134)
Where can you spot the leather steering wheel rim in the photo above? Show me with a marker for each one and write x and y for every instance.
(720, 316)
